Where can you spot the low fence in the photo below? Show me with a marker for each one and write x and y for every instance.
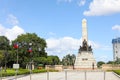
(78, 75)
(69, 75)
(110, 66)
(54, 67)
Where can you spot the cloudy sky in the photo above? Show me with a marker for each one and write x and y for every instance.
(59, 23)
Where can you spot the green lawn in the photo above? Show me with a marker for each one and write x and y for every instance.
(117, 71)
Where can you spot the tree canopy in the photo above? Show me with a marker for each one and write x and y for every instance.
(4, 43)
(28, 46)
(4, 47)
(68, 59)
(100, 63)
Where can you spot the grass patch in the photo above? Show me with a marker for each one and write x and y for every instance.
(117, 71)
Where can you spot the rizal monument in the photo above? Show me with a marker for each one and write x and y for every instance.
(85, 58)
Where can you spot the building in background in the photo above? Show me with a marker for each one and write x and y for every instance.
(116, 48)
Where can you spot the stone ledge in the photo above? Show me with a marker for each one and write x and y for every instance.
(116, 74)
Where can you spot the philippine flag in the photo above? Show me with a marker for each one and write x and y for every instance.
(30, 50)
(15, 45)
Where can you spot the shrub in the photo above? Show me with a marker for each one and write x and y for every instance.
(12, 72)
(39, 71)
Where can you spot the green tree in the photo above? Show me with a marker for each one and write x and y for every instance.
(29, 41)
(53, 60)
(110, 62)
(40, 60)
(4, 43)
(100, 63)
(68, 59)
(1, 58)
(4, 47)
(117, 61)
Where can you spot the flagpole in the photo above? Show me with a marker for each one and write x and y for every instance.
(17, 55)
(30, 51)
(16, 46)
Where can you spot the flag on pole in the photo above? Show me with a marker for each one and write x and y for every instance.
(30, 50)
(15, 45)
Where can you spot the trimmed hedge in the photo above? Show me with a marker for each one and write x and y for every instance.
(39, 71)
(43, 70)
(12, 72)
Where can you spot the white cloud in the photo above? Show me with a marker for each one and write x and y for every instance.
(14, 31)
(94, 44)
(116, 27)
(11, 19)
(2, 30)
(65, 45)
(62, 46)
(81, 2)
(103, 7)
(104, 58)
(11, 33)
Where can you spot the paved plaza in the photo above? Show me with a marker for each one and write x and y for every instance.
(69, 75)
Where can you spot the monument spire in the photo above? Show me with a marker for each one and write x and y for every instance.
(84, 30)
(85, 58)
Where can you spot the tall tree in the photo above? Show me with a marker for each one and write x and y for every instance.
(100, 63)
(4, 43)
(117, 61)
(4, 47)
(29, 46)
(68, 59)
(53, 60)
(1, 58)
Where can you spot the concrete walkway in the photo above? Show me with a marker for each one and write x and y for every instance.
(69, 75)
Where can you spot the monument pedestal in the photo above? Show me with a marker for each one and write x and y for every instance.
(85, 60)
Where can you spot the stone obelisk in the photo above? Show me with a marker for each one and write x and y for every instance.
(85, 58)
(84, 30)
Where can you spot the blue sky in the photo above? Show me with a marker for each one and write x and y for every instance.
(59, 23)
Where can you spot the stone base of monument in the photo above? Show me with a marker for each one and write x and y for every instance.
(85, 60)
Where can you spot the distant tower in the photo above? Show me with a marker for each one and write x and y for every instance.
(116, 48)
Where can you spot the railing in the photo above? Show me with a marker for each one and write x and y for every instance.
(80, 75)
(69, 75)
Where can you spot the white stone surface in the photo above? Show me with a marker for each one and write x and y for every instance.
(85, 60)
(70, 75)
(84, 30)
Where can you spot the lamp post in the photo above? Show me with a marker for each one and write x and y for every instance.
(16, 46)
